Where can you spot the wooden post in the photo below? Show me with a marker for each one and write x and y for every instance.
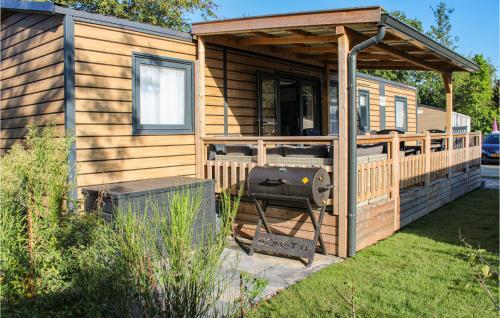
(427, 153)
(448, 88)
(343, 51)
(395, 178)
(467, 155)
(449, 155)
(200, 108)
(335, 173)
(480, 144)
(261, 153)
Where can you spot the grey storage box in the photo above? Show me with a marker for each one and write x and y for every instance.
(114, 197)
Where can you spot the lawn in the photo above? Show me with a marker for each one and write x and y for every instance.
(422, 271)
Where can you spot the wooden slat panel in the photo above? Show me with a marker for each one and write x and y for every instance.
(34, 65)
(134, 164)
(133, 141)
(36, 75)
(31, 34)
(133, 152)
(31, 88)
(133, 39)
(23, 55)
(32, 110)
(131, 175)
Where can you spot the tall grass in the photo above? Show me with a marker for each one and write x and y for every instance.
(174, 274)
(141, 264)
(33, 180)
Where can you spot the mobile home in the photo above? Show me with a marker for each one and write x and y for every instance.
(146, 102)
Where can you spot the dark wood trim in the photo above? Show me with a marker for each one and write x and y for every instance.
(69, 108)
(188, 67)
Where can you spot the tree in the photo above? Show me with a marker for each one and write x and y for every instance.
(407, 77)
(164, 13)
(474, 94)
(441, 32)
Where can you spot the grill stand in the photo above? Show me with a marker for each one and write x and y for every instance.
(282, 244)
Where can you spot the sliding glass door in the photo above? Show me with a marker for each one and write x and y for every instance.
(268, 121)
(288, 105)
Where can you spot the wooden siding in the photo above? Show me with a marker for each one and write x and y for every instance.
(391, 91)
(242, 91)
(431, 118)
(241, 88)
(107, 151)
(32, 80)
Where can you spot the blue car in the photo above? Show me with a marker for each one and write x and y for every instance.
(491, 149)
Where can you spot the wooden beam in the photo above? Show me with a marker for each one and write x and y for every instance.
(343, 51)
(296, 39)
(448, 88)
(299, 32)
(307, 50)
(200, 108)
(396, 53)
(379, 66)
(289, 21)
(271, 51)
(323, 57)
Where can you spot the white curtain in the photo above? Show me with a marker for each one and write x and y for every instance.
(400, 114)
(162, 95)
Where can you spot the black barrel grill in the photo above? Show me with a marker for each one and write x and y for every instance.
(306, 188)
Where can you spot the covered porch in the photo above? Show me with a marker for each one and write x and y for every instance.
(245, 63)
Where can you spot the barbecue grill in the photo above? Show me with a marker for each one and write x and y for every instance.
(307, 188)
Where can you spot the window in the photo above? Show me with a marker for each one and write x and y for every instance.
(162, 95)
(288, 105)
(269, 101)
(401, 113)
(333, 101)
(363, 111)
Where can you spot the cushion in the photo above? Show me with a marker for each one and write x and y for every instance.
(367, 150)
(275, 151)
(307, 152)
(238, 150)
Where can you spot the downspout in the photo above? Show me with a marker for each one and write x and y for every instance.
(352, 135)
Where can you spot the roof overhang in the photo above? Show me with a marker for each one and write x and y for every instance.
(289, 20)
(311, 37)
(82, 16)
(27, 6)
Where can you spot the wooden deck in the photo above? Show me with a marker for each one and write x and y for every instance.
(392, 192)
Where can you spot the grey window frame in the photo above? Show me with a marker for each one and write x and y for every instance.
(405, 100)
(366, 93)
(149, 129)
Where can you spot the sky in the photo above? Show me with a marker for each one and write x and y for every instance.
(475, 22)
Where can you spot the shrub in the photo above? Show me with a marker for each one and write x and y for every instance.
(33, 189)
(140, 264)
(171, 275)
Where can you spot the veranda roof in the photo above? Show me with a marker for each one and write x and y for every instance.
(312, 38)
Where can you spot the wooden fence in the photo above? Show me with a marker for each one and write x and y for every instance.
(232, 174)
(435, 156)
(400, 178)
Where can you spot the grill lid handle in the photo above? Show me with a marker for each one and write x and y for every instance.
(274, 182)
(324, 189)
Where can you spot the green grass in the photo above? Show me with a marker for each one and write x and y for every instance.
(422, 271)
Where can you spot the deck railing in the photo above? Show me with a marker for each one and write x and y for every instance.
(380, 177)
(231, 173)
